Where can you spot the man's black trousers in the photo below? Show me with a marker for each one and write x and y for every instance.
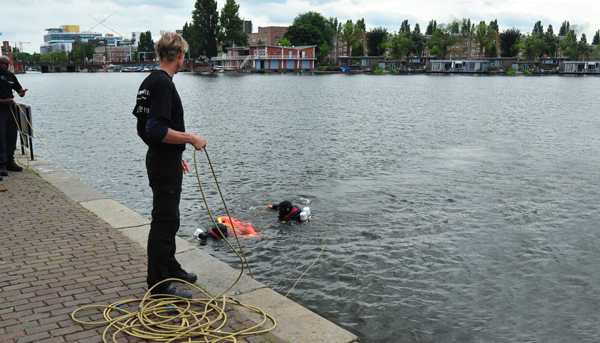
(165, 174)
(8, 135)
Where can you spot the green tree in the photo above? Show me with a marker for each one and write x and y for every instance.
(454, 27)
(484, 36)
(564, 28)
(465, 27)
(205, 27)
(401, 45)
(230, 24)
(583, 39)
(359, 51)
(304, 35)
(440, 42)
(417, 29)
(538, 28)
(319, 22)
(533, 46)
(552, 43)
(188, 33)
(494, 25)
(572, 48)
(405, 26)
(508, 38)
(550, 30)
(311, 28)
(285, 42)
(431, 27)
(146, 46)
(361, 24)
(351, 35)
(596, 39)
(374, 39)
(333, 24)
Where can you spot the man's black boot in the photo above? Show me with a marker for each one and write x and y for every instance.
(183, 275)
(3, 171)
(172, 290)
(12, 166)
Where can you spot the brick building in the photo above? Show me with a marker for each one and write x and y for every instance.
(270, 35)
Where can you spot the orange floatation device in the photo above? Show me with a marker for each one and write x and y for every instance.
(239, 226)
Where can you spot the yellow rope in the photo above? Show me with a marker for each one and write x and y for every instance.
(244, 262)
(315, 261)
(168, 318)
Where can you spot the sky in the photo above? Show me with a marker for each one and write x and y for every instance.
(26, 21)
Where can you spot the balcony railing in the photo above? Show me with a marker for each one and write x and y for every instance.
(262, 57)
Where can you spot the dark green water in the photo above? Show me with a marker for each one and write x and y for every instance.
(457, 209)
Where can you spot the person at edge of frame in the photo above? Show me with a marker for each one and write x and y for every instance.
(160, 124)
(8, 126)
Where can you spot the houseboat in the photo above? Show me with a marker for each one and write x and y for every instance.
(579, 67)
(266, 58)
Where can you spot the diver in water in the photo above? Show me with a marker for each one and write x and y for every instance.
(287, 212)
(215, 233)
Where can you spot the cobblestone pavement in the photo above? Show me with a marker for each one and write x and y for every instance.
(55, 257)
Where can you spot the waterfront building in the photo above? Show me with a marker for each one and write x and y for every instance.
(266, 57)
(135, 38)
(269, 35)
(580, 67)
(106, 52)
(474, 66)
(63, 38)
(340, 48)
(247, 27)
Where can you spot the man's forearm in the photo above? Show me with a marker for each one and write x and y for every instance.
(178, 137)
(8, 101)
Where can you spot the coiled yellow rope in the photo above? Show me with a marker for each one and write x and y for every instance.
(170, 318)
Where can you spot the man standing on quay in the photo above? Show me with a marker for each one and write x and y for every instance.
(8, 126)
(161, 126)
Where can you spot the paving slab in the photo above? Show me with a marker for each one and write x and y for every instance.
(117, 215)
(78, 191)
(52, 174)
(295, 323)
(216, 276)
(139, 234)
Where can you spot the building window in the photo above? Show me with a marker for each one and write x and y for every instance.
(345, 48)
(340, 49)
(253, 40)
(277, 38)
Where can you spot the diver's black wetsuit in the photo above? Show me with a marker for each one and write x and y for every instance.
(287, 211)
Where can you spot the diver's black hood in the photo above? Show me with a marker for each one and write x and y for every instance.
(285, 207)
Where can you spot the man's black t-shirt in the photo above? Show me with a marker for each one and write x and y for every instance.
(8, 82)
(158, 98)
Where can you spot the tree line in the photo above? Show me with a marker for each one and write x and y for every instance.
(442, 40)
(207, 28)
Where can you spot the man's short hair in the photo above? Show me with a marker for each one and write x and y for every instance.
(5, 59)
(169, 46)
